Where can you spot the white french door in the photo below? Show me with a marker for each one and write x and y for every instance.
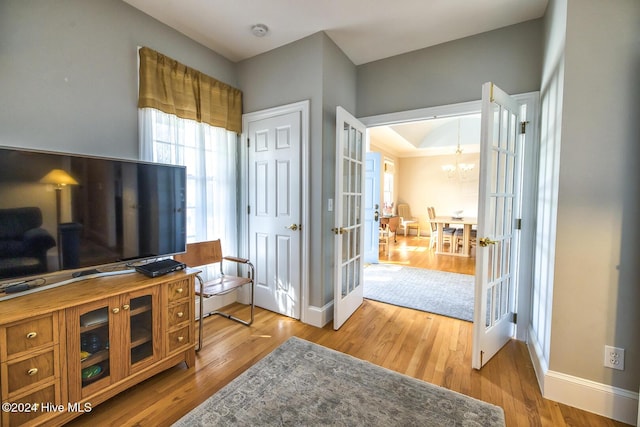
(372, 207)
(498, 239)
(275, 208)
(349, 213)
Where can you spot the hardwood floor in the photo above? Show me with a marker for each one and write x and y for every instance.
(423, 345)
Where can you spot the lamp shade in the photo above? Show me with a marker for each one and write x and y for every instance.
(58, 177)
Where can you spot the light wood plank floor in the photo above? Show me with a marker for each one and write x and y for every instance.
(423, 345)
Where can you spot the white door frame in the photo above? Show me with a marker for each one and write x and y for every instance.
(531, 99)
(303, 108)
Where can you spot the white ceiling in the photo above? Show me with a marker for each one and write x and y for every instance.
(433, 137)
(366, 30)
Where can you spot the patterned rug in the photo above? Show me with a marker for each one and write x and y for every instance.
(303, 384)
(448, 294)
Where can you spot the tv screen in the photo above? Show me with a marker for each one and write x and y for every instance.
(67, 212)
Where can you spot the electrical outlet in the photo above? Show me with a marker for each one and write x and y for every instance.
(614, 357)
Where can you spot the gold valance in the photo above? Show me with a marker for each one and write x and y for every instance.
(174, 88)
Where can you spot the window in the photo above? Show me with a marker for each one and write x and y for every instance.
(387, 190)
(209, 154)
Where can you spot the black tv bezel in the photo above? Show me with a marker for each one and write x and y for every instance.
(65, 276)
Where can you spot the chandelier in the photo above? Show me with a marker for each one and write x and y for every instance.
(458, 169)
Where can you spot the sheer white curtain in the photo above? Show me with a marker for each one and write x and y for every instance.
(210, 155)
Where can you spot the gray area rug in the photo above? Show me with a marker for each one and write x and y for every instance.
(448, 294)
(304, 384)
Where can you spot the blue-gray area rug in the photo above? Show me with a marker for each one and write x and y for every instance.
(448, 294)
(304, 384)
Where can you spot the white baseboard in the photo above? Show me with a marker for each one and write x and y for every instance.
(319, 316)
(608, 401)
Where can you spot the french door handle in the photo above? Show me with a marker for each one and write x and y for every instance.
(376, 216)
(338, 230)
(485, 241)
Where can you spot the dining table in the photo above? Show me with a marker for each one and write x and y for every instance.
(447, 221)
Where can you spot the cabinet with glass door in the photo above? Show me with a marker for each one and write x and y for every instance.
(111, 339)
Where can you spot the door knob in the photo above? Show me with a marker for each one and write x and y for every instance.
(292, 227)
(339, 230)
(485, 241)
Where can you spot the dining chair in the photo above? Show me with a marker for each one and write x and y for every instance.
(458, 239)
(387, 231)
(209, 254)
(447, 232)
(406, 220)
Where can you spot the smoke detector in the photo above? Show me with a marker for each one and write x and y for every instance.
(259, 30)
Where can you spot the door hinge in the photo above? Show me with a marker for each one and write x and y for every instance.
(248, 210)
(514, 318)
(248, 143)
(518, 224)
(523, 127)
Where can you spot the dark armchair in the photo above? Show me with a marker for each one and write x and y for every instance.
(23, 242)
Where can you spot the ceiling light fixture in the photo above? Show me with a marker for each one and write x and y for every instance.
(459, 170)
(259, 30)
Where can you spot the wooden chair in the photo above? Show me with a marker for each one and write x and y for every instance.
(406, 220)
(447, 232)
(207, 253)
(388, 228)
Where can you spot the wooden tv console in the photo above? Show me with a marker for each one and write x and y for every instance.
(65, 350)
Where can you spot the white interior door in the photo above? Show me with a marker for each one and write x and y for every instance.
(275, 226)
(498, 209)
(349, 213)
(371, 207)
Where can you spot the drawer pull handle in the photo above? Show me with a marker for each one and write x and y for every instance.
(31, 372)
(179, 290)
(180, 314)
(180, 339)
(32, 335)
(125, 307)
(115, 310)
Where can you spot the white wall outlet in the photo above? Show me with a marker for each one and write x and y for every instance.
(614, 357)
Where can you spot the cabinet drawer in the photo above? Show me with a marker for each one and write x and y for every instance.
(179, 338)
(30, 371)
(178, 290)
(179, 313)
(30, 334)
(47, 395)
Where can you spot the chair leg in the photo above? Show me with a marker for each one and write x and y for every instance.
(201, 314)
(252, 304)
(230, 317)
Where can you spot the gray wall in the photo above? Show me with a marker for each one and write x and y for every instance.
(453, 72)
(339, 89)
(596, 292)
(299, 71)
(69, 73)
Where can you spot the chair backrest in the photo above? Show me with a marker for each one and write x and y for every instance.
(404, 211)
(431, 211)
(201, 253)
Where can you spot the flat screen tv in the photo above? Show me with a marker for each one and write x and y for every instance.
(71, 212)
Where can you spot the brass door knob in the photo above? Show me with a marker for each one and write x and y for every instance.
(292, 227)
(339, 230)
(485, 241)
